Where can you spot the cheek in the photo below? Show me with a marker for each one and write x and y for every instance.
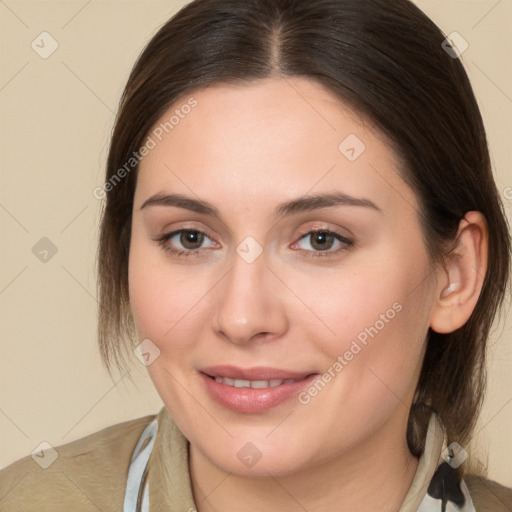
(165, 299)
(163, 309)
(150, 291)
(369, 290)
(375, 315)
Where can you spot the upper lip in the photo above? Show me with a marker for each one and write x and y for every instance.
(254, 373)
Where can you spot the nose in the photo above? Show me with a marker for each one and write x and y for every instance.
(248, 306)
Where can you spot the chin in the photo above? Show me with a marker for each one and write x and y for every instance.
(257, 458)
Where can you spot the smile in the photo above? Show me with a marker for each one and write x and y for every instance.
(256, 384)
(253, 390)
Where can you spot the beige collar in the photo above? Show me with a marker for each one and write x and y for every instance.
(427, 465)
(170, 487)
(169, 478)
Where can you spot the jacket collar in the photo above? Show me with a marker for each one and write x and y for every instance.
(170, 487)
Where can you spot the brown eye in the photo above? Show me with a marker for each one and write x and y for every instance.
(321, 240)
(323, 243)
(194, 238)
(185, 242)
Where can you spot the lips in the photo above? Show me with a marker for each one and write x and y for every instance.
(259, 373)
(255, 384)
(253, 390)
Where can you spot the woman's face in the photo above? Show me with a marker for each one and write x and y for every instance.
(256, 301)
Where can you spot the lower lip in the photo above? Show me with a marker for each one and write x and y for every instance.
(253, 400)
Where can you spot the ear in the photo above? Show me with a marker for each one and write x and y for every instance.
(459, 287)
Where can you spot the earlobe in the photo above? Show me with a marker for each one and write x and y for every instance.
(457, 293)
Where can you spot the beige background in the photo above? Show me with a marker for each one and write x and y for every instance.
(56, 116)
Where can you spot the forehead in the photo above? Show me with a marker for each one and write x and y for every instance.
(271, 139)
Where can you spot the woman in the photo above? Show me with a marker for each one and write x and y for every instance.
(296, 242)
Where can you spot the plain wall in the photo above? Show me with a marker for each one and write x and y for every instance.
(56, 118)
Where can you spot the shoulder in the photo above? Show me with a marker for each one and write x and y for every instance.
(86, 474)
(488, 495)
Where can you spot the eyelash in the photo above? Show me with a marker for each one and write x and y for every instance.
(347, 244)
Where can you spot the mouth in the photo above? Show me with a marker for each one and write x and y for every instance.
(254, 374)
(254, 384)
(253, 390)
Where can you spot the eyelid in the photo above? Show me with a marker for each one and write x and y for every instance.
(313, 228)
(189, 227)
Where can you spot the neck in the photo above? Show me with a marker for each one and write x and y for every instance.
(374, 475)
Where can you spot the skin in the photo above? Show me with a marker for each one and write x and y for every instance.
(245, 149)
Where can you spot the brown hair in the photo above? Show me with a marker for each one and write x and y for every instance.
(385, 59)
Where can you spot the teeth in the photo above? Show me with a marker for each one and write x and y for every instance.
(239, 383)
(258, 384)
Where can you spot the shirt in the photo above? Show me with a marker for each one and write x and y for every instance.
(146, 459)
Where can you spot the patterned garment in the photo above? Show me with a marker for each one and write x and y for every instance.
(444, 494)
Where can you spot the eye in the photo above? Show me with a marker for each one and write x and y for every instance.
(190, 239)
(321, 241)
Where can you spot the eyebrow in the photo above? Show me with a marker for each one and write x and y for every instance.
(302, 204)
